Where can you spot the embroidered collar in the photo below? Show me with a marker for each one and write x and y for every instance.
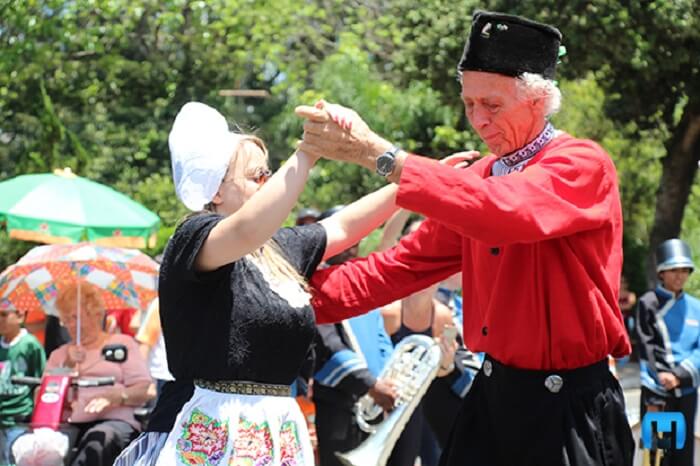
(531, 148)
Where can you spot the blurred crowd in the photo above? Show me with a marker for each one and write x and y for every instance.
(344, 366)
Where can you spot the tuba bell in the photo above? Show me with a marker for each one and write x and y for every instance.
(412, 367)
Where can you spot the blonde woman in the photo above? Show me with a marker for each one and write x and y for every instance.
(235, 305)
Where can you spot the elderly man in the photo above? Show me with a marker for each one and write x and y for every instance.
(536, 229)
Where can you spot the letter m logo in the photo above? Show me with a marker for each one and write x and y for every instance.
(655, 423)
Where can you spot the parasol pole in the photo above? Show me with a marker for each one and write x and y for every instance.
(77, 330)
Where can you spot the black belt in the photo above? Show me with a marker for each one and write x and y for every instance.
(552, 380)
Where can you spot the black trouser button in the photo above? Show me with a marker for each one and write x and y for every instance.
(484, 331)
(495, 251)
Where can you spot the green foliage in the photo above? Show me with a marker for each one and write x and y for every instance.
(645, 51)
(95, 84)
(11, 250)
(691, 234)
(413, 116)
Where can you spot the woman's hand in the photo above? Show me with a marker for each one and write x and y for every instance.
(110, 399)
(97, 405)
(341, 116)
(339, 133)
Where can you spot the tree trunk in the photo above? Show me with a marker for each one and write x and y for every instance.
(679, 169)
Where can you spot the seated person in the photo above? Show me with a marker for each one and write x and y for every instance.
(102, 417)
(21, 354)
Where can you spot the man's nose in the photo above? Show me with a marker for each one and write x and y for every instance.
(480, 117)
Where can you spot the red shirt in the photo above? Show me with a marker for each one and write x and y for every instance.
(540, 250)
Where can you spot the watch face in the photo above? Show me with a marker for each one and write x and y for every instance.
(385, 164)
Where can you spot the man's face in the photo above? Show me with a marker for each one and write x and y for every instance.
(502, 120)
(674, 280)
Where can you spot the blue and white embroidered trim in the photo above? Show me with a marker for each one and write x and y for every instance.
(516, 161)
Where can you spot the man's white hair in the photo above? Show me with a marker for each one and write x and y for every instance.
(535, 86)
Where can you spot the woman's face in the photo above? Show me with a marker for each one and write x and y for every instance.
(90, 320)
(247, 172)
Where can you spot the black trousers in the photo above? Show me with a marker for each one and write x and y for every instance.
(687, 405)
(99, 443)
(408, 445)
(510, 417)
(336, 430)
(440, 407)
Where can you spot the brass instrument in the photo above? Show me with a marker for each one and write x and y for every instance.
(412, 367)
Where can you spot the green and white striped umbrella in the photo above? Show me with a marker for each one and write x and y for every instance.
(65, 208)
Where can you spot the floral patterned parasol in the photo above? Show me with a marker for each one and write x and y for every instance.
(126, 277)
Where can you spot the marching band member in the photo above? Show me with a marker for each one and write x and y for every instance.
(668, 323)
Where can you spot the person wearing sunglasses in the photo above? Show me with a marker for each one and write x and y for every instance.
(234, 301)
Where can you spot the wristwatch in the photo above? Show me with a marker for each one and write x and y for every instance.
(387, 162)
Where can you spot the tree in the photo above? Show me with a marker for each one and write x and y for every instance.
(413, 116)
(95, 85)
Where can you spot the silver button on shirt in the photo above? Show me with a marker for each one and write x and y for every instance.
(488, 368)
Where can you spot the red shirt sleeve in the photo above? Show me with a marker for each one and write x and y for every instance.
(569, 191)
(428, 255)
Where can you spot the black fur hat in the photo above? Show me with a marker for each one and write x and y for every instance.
(510, 45)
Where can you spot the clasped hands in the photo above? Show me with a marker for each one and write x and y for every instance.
(334, 132)
(668, 380)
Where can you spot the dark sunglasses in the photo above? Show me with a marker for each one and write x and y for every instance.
(262, 175)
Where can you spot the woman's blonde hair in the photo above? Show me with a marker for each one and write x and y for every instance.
(90, 298)
(271, 255)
